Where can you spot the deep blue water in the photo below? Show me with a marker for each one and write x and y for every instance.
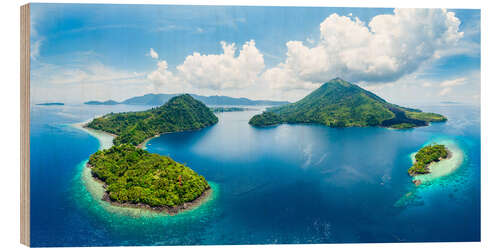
(285, 184)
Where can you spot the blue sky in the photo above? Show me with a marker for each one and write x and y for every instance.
(100, 52)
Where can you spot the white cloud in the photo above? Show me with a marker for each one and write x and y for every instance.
(82, 74)
(282, 79)
(163, 78)
(450, 84)
(454, 82)
(422, 89)
(153, 54)
(384, 50)
(445, 91)
(426, 84)
(36, 39)
(35, 46)
(83, 82)
(223, 71)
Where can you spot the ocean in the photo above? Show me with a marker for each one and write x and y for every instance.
(277, 185)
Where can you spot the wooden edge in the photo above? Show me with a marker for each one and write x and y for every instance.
(25, 124)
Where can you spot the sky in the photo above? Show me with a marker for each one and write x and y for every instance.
(82, 52)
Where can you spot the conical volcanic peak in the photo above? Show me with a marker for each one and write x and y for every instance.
(338, 103)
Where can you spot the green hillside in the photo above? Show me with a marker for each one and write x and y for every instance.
(338, 103)
(181, 113)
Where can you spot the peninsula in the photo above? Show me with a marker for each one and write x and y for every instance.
(338, 103)
(133, 177)
(181, 113)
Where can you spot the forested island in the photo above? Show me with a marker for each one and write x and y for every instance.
(51, 104)
(108, 102)
(338, 103)
(181, 113)
(134, 177)
(427, 155)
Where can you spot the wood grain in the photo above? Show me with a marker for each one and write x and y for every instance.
(25, 121)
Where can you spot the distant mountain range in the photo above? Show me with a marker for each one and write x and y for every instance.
(160, 99)
(338, 103)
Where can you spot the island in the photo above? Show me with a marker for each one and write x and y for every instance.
(229, 109)
(427, 155)
(133, 177)
(338, 103)
(51, 104)
(181, 113)
(108, 102)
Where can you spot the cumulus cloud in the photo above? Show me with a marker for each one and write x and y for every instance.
(384, 50)
(223, 71)
(153, 54)
(163, 77)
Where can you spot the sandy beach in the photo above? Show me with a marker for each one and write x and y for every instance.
(105, 139)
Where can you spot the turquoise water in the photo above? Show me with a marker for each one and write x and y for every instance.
(285, 184)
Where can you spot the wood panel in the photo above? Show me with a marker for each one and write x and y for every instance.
(25, 121)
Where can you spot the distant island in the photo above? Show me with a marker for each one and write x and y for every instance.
(108, 102)
(450, 102)
(425, 156)
(160, 99)
(229, 109)
(51, 104)
(180, 113)
(136, 178)
(338, 103)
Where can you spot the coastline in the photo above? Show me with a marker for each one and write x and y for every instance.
(443, 167)
(354, 126)
(97, 188)
(105, 139)
(143, 144)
